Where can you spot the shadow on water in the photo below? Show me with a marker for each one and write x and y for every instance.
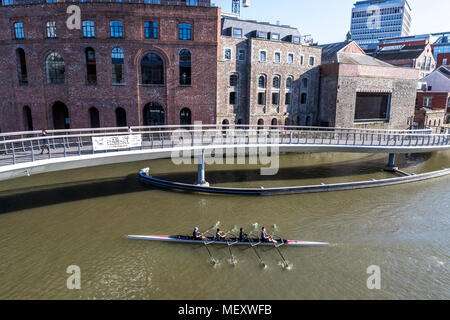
(28, 198)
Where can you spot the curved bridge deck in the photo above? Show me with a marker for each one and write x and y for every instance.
(20, 153)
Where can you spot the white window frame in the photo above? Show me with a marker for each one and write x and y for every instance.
(260, 52)
(428, 101)
(274, 57)
(225, 53)
(293, 57)
(314, 61)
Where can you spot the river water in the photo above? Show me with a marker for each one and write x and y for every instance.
(80, 217)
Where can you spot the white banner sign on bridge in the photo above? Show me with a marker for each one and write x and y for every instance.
(117, 142)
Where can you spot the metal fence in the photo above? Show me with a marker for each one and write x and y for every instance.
(22, 147)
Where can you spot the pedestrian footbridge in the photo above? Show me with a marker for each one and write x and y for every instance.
(27, 153)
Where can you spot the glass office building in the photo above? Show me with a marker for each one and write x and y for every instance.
(379, 19)
(442, 44)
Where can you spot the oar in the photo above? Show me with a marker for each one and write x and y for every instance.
(285, 264)
(212, 227)
(233, 260)
(214, 262)
(254, 249)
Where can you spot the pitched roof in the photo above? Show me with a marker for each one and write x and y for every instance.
(400, 52)
(445, 71)
(336, 53)
(329, 51)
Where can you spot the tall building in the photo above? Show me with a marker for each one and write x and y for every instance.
(379, 19)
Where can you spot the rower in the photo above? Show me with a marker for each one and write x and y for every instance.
(266, 237)
(220, 235)
(242, 235)
(197, 235)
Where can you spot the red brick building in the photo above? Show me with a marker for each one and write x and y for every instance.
(443, 59)
(129, 64)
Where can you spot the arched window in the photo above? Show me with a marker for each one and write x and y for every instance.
(55, 69)
(274, 122)
(260, 124)
(152, 69)
(91, 66)
(185, 117)
(61, 118)
(94, 118)
(262, 82)
(121, 117)
(21, 67)
(117, 60)
(276, 82)
(287, 122)
(305, 82)
(27, 119)
(233, 80)
(154, 115)
(185, 67)
(289, 82)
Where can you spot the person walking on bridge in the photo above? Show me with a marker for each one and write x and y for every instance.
(45, 143)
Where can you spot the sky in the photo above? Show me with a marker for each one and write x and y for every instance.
(328, 21)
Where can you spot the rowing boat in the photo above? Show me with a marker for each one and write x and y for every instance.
(210, 240)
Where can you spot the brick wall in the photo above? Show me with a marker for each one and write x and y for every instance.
(200, 98)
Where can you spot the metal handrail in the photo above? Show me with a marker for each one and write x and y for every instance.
(154, 138)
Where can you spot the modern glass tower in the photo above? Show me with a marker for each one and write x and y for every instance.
(379, 19)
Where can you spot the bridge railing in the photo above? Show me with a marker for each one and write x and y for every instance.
(29, 134)
(72, 144)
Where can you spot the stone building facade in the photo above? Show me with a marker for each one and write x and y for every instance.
(130, 64)
(266, 76)
(360, 91)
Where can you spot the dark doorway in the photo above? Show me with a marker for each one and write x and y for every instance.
(60, 116)
(27, 119)
(121, 117)
(185, 117)
(94, 117)
(154, 115)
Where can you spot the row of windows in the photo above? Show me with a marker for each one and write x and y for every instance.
(152, 68)
(116, 30)
(377, 31)
(378, 18)
(241, 56)
(383, 24)
(375, 37)
(369, 13)
(290, 58)
(276, 82)
(153, 115)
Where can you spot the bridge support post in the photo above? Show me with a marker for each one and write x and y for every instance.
(391, 163)
(201, 171)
